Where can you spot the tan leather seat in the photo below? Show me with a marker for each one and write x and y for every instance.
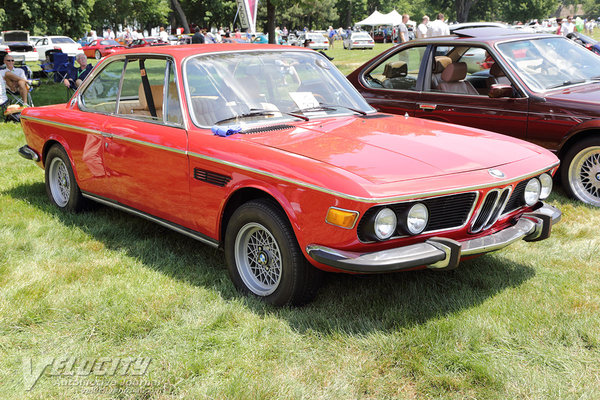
(392, 71)
(453, 80)
(439, 65)
(497, 76)
(157, 97)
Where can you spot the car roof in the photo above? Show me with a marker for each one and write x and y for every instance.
(185, 50)
(487, 34)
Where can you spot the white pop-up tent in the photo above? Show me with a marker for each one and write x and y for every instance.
(378, 19)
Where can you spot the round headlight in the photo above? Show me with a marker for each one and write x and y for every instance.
(416, 219)
(532, 192)
(546, 181)
(385, 224)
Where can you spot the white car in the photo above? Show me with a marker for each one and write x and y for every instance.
(57, 43)
(359, 40)
(314, 40)
(20, 48)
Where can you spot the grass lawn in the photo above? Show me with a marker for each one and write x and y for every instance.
(104, 286)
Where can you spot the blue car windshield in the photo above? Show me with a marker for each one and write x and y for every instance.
(551, 62)
(255, 86)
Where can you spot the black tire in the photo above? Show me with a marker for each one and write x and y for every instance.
(61, 186)
(580, 171)
(276, 271)
(98, 55)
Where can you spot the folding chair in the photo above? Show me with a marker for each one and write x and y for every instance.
(56, 67)
(15, 97)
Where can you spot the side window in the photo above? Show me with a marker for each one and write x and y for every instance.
(138, 100)
(465, 70)
(172, 104)
(399, 71)
(101, 94)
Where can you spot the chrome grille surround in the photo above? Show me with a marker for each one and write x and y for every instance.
(491, 209)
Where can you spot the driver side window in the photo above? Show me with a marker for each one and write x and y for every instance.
(399, 72)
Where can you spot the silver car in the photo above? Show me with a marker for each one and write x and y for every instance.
(359, 40)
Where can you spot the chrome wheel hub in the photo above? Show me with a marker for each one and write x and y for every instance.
(258, 259)
(60, 183)
(584, 175)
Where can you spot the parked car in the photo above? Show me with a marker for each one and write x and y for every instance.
(20, 48)
(268, 153)
(146, 42)
(51, 44)
(315, 41)
(359, 40)
(585, 41)
(538, 87)
(4, 49)
(102, 47)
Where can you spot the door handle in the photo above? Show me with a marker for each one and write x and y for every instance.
(428, 107)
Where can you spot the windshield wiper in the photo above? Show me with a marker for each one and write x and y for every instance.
(257, 113)
(567, 83)
(329, 107)
(361, 112)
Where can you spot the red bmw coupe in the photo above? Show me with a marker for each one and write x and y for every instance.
(270, 154)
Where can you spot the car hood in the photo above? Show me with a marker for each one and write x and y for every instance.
(385, 149)
(588, 93)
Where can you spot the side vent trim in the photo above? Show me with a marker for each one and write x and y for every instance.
(211, 177)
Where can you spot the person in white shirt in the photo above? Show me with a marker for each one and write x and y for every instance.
(568, 27)
(15, 78)
(403, 30)
(438, 27)
(423, 27)
(163, 35)
(109, 34)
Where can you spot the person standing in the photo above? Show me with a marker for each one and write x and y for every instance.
(568, 26)
(331, 37)
(163, 35)
(438, 27)
(198, 38)
(423, 28)
(403, 30)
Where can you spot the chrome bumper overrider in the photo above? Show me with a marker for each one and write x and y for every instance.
(440, 252)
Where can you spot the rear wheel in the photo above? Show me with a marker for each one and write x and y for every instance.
(61, 186)
(97, 55)
(580, 172)
(264, 258)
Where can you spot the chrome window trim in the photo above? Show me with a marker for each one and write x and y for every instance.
(374, 200)
(291, 49)
(95, 72)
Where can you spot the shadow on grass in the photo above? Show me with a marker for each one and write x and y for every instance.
(346, 303)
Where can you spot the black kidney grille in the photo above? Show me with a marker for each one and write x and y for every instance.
(491, 209)
(211, 177)
(516, 200)
(266, 129)
(445, 212)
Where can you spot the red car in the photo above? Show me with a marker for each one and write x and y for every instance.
(145, 42)
(268, 153)
(537, 87)
(102, 47)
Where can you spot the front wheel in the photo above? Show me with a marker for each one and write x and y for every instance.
(580, 172)
(263, 256)
(98, 55)
(61, 186)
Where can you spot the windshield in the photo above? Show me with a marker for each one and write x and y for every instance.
(251, 87)
(316, 37)
(361, 36)
(550, 63)
(62, 40)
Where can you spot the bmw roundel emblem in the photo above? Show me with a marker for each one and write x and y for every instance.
(496, 173)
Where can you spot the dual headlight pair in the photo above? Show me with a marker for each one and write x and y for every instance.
(537, 189)
(414, 220)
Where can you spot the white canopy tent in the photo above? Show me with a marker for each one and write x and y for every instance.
(378, 19)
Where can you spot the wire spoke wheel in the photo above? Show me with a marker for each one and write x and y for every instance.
(258, 259)
(584, 175)
(60, 182)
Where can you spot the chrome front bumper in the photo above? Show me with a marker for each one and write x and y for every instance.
(439, 253)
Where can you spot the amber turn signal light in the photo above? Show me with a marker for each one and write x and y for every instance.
(342, 218)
